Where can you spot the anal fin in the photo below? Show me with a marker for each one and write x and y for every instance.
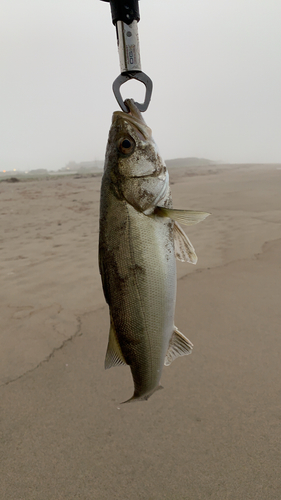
(179, 346)
(184, 250)
(114, 356)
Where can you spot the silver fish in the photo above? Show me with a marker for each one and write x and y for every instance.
(140, 239)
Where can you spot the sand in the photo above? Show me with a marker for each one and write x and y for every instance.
(214, 432)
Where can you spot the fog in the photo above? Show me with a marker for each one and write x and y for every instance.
(215, 68)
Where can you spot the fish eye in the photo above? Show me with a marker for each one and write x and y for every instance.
(126, 145)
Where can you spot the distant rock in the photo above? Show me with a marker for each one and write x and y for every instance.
(189, 162)
(38, 171)
(12, 179)
(83, 166)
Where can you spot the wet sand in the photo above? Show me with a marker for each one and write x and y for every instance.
(214, 432)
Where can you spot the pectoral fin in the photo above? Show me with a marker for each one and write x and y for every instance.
(184, 249)
(114, 356)
(187, 217)
(179, 346)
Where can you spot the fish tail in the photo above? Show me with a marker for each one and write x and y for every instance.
(135, 398)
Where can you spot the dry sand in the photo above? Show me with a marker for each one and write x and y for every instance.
(215, 431)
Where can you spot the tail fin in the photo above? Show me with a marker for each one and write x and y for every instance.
(144, 397)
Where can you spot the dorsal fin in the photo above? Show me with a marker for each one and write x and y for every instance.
(184, 249)
(179, 346)
(114, 356)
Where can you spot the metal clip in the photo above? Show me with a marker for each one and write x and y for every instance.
(130, 63)
(141, 77)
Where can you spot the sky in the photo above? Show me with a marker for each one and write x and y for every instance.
(215, 66)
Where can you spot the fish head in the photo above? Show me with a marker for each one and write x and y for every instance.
(134, 160)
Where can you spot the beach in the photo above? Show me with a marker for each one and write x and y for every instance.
(214, 432)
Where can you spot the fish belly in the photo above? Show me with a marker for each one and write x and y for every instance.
(138, 270)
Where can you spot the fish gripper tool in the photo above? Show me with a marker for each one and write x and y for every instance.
(125, 17)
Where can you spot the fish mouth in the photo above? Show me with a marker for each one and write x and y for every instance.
(135, 118)
(134, 110)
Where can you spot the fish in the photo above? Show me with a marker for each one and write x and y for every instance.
(140, 238)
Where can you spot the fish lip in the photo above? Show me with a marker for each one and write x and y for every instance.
(134, 110)
(135, 118)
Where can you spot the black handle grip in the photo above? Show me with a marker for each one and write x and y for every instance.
(124, 10)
